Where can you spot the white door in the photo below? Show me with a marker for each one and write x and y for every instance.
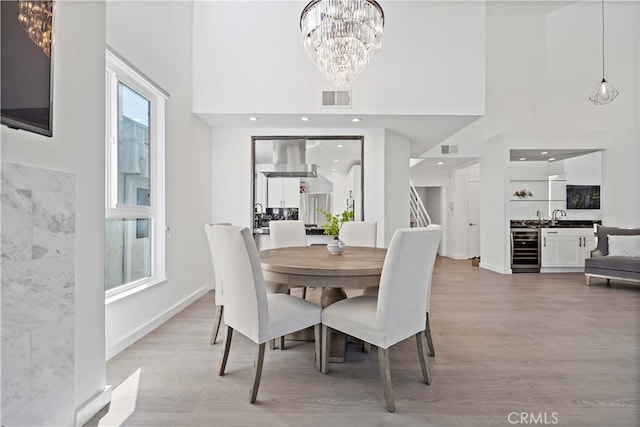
(473, 218)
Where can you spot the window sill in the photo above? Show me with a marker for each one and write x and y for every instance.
(134, 290)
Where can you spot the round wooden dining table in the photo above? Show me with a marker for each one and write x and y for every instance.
(356, 267)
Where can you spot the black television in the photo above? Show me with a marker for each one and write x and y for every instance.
(26, 74)
(583, 197)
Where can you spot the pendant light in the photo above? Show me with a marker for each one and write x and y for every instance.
(605, 92)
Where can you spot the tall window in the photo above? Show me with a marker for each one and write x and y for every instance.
(135, 229)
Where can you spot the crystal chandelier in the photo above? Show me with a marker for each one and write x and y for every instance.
(36, 18)
(341, 36)
(605, 92)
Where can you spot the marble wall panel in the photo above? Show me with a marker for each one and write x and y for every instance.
(37, 296)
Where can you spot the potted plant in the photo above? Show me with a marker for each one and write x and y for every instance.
(332, 228)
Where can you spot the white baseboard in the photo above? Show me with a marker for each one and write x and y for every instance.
(455, 256)
(92, 406)
(562, 270)
(495, 268)
(154, 323)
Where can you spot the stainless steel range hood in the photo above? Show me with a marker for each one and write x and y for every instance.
(288, 161)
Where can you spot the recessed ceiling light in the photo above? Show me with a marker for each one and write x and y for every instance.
(334, 169)
(523, 158)
(253, 119)
(336, 160)
(551, 159)
(440, 163)
(340, 145)
(545, 152)
(304, 119)
(355, 120)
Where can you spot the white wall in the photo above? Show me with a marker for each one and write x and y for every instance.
(77, 146)
(165, 57)
(584, 170)
(396, 187)
(541, 68)
(494, 220)
(431, 62)
(231, 186)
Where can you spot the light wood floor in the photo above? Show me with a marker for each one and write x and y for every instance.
(532, 343)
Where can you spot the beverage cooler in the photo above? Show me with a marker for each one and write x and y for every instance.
(525, 250)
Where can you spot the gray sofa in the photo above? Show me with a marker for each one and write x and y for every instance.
(601, 264)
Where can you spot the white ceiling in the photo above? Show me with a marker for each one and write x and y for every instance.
(431, 163)
(424, 131)
(538, 156)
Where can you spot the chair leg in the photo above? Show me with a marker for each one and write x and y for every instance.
(304, 292)
(420, 340)
(588, 279)
(257, 373)
(282, 342)
(427, 332)
(366, 346)
(225, 350)
(316, 334)
(385, 374)
(608, 282)
(272, 344)
(326, 348)
(216, 323)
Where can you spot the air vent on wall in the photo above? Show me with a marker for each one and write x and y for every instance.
(449, 149)
(336, 98)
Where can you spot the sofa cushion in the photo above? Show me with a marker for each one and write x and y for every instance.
(624, 245)
(621, 263)
(603, 242)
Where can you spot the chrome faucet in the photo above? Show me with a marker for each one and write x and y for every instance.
(554, 218)
(261, 207)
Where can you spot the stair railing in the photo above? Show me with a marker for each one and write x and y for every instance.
(419, 215)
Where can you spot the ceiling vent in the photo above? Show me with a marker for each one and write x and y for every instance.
(449, 149)
(336, 98)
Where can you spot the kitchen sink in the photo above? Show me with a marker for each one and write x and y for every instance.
(568, 223)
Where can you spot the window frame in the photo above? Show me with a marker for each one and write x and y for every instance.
(117, 70)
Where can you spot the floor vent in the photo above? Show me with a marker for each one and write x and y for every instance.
(336, 98)
(449, 149)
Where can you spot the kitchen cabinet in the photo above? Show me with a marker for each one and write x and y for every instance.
(283, 193)
(565, 249)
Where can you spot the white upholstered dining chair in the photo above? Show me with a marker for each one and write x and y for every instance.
(218, 289)
(398, 312)
(248, 308)
(373, 291)
(288, 233)
(284, 234)
(359, 233)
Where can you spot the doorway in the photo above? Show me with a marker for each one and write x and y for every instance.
(432, 200)
(473, 218)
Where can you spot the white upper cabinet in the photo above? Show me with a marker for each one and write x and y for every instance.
(283, 193)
